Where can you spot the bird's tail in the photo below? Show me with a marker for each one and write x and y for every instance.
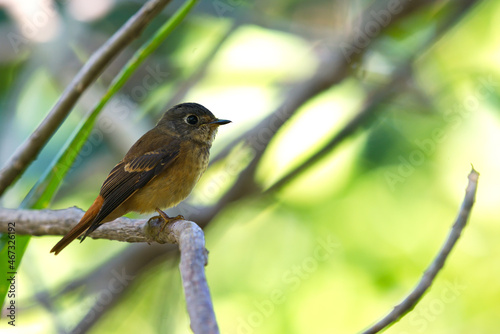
(81, 227)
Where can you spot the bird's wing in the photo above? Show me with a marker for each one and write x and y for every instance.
(128, 176)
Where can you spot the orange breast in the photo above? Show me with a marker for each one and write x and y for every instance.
(174, 184)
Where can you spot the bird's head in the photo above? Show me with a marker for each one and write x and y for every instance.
(191, 121)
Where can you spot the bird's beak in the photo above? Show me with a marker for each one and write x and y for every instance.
(220, 121)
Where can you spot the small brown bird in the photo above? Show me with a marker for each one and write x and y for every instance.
(158, 171)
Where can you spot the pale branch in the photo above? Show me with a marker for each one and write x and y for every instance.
(29, 150)
(191, 241)
(193, 259)
(437, 264)
(60, 222)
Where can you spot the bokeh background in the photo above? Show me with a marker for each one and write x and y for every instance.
(337, 246)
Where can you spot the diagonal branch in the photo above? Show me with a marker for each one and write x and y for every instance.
(378, 96)
(370, 106)
(430, 274)
(30, 149)
(329, 72)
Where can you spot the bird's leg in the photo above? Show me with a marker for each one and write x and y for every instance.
(168, 219)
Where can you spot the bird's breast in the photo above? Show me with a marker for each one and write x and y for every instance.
(174, 184)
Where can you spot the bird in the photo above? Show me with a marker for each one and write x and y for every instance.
(158, 172)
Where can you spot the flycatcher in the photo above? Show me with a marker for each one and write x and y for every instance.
(158, 171)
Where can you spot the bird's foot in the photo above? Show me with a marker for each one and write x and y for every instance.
(167, 219)
(152, 219)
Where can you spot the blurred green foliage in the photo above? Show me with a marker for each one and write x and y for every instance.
(340, 245)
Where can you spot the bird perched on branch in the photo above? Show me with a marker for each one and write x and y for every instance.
(158, 171)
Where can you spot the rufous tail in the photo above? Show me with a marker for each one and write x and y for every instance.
(81, 227)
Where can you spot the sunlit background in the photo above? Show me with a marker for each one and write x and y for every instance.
(338, 246)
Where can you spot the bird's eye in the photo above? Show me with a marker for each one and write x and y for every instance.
(192, 119)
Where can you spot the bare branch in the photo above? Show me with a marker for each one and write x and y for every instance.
(191, 241)
(430, 274)
(60, 222)
(30, 149)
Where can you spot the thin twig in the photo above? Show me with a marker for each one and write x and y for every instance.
(430, 274)
(30, 149)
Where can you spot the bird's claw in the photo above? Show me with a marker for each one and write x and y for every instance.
(167, 219)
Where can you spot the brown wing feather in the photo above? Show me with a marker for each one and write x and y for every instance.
(128, 177)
